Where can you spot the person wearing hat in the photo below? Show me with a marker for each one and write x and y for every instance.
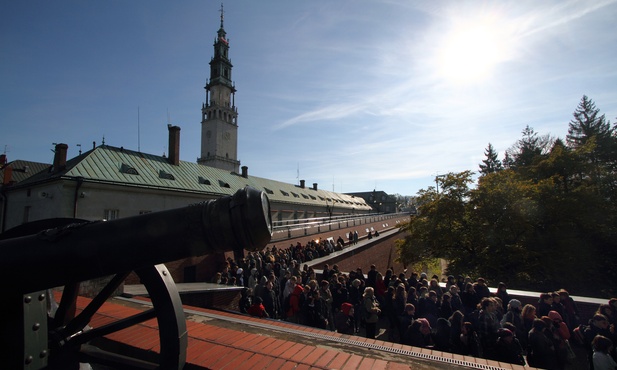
(560, 334)
(344, 319)
(514, 317)
(508, 349)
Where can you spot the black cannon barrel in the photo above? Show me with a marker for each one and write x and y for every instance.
(83, 251)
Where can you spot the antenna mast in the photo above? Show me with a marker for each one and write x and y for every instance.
(138, 135)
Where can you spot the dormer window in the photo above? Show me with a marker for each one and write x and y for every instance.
(125, 168)
(166, 175)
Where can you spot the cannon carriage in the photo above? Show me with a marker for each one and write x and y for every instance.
(65, 252)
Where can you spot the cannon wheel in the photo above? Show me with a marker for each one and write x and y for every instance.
(70, 338)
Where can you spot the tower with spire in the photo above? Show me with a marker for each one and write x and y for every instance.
(219, 115)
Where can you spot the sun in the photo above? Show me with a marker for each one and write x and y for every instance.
(470, 51)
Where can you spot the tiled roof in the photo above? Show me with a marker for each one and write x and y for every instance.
(130, 168)
(22, 170)
(224, 340)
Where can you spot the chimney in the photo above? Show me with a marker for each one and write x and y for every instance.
(2, 160)
(60, 157)
(302, 184)
(245, 172)
(174, 144)
(314, 186)
(8, 175)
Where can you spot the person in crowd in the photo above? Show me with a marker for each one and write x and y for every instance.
(339, 293)
(253, 279)
(457, 319)
(514, 317)
(488, 325)
(558, 307)
(450, 281)
(544, 304)
(460, 283)
(258, 289)
(470, 343)
(290, 285)
(344, 322)
(387, 306)
(541, 351)
(469, 299)
(371, 276)
(326, 300)
(406, 319)
(257, 309)
(571, 315)
(413, 280)
(529, 315)
(598, 325)
(613, 305)
(269, 300)
(372, 311)
(445, 307)
(355, 298)
(380, 287)
(314, 311)
(296, 301)
(560, 335)
(455, 298)
(508, 349)
(481, 289)
(419, 334)
(433, 285)
(430, 308)
(441, 338)
(502, 293)
(412, 296)
(606, 310)
(246, 300)
(601, 358)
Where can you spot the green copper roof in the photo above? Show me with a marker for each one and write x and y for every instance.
(124, 167)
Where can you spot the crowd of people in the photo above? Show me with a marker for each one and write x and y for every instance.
(459, 315)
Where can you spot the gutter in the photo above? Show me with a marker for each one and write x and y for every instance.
(80, 181)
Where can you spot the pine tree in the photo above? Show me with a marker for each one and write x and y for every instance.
(491, 163)
(588, 125)
(527, 149)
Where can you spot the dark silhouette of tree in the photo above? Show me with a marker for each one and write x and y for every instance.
(588, 123)
(491, 163)
(527, 149)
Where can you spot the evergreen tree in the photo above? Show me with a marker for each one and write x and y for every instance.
(590, 128)
(588, 123)
(528, 149)
(491, 163)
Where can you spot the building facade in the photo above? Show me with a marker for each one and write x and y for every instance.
(379, 201)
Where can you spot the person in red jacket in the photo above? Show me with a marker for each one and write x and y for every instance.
(257, 308)
(295, 304)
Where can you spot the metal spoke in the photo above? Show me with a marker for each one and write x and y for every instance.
(85, 316)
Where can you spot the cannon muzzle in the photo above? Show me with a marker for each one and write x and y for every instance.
(86, 250)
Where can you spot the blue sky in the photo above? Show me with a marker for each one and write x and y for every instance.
(354, 95)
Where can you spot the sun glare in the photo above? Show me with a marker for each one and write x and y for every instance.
(471, 50)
